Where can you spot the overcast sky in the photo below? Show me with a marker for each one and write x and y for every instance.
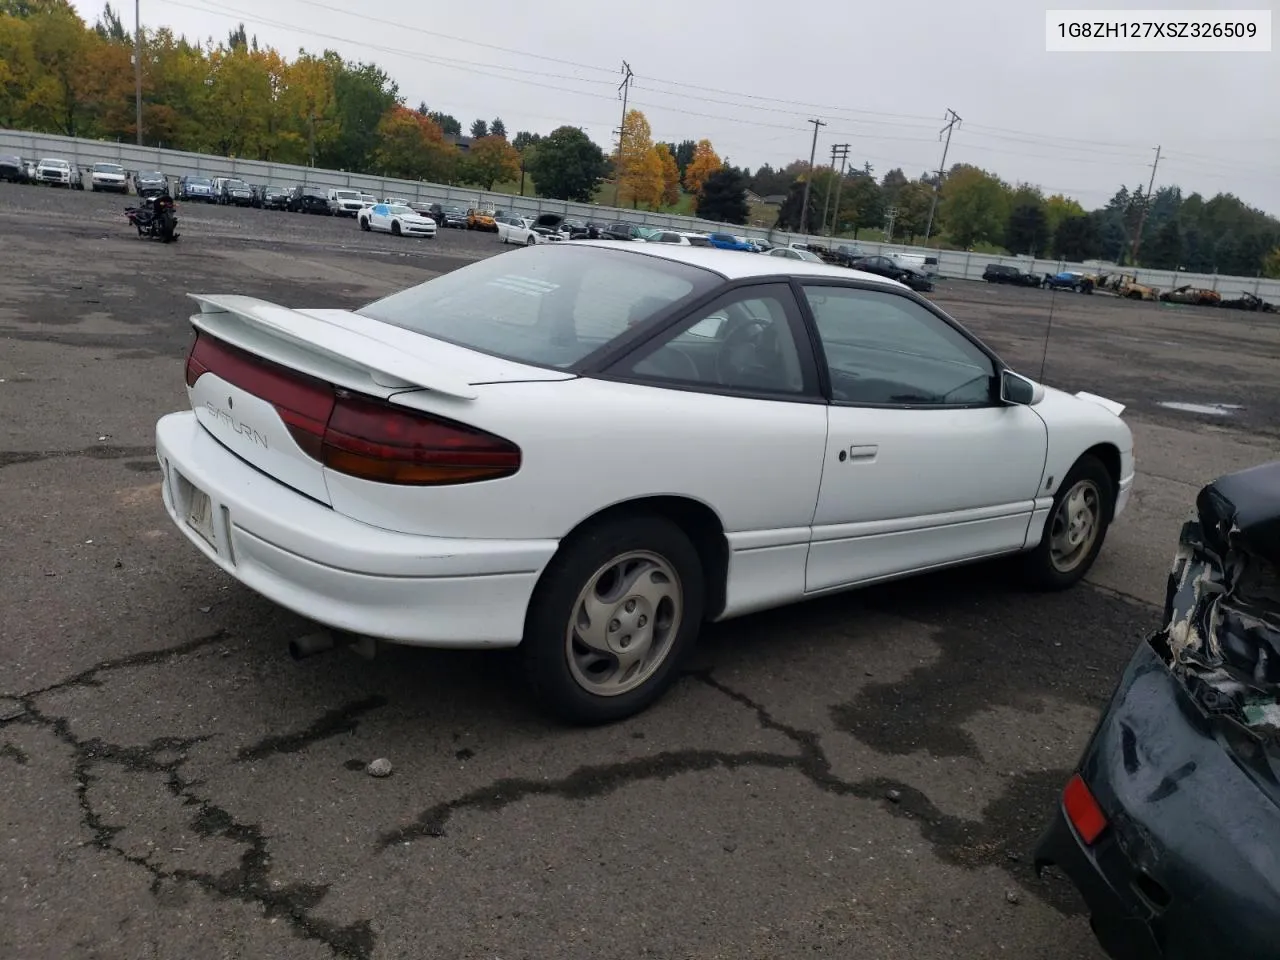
(749, 75)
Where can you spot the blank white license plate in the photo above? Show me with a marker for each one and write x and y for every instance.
(200, 515)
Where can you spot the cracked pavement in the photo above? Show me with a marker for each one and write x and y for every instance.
(858, 775)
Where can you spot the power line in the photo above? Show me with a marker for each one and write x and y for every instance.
(753, 101)
(937, 184)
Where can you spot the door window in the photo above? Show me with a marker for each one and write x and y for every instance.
(744, 341)
(888, 350)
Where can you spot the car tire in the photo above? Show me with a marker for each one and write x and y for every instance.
(395, 228)
(364, 224)
(530, 242)
(561, 670)
(1075, 529)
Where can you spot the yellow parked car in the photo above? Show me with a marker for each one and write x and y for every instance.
(482, 218)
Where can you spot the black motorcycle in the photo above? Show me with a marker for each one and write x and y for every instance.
(156, 219)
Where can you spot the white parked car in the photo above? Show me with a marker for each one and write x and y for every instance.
(794, 253)
(108, 176)
(345, 203)
(545, 228)
(442, 467)
(396, 218)
(519, 227)
(55, 171)
(669, 236)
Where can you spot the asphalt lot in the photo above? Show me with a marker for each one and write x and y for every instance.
(175, 786)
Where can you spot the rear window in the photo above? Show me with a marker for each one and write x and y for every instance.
(346, 195)
(107, 168)
(546, 305)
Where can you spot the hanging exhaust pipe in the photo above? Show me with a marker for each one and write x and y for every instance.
(300, 648)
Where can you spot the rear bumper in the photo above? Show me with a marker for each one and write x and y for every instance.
(423, 591)
(1185, 868)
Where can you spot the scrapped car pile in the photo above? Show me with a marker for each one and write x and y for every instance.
(1124, 285)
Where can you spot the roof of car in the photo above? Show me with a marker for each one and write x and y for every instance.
(736, 264)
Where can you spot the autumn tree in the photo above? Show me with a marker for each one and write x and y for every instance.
(670, 173)
(490, 160)
(411, 146)
(566, 165)
(639, 171)
(704, 163)
(1271, 264)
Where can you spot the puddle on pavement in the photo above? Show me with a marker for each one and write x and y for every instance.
(1209, 409)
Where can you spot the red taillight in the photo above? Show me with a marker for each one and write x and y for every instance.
(1083, 810)
(360, 436)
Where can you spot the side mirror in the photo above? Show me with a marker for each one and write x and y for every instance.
(1015, 388)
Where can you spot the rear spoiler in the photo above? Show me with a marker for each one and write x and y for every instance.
(390, 365)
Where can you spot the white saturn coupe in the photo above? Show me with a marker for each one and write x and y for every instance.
(589, 450)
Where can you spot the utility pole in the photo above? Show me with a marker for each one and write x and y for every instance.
(623, 89)
(826, 194)
(1146, 205)
(808, 181)
(842, 150)
(137, 64)
(890, 215)
(953, 119)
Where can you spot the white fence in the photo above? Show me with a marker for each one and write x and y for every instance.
(952, 264)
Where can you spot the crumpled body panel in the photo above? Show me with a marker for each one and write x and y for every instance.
(1222, 607)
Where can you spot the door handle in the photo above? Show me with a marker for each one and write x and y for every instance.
(863, 452)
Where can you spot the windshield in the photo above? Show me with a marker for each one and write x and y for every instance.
(200, 182)
(811, 257)
(107, 168)
(346, 195)
(457, 210)
(54, 163)
(151, 176)
(400, 210)
(237, 184)
(545, 305)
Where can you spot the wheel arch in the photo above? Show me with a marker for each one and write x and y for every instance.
(1109, 455)
(699, 522)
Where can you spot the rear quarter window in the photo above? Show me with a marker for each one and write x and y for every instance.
(544, 305)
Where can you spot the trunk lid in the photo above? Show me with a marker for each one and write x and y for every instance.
(307, 353)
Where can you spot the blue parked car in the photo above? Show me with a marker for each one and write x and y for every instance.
(1068, 280)
(726, 241)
